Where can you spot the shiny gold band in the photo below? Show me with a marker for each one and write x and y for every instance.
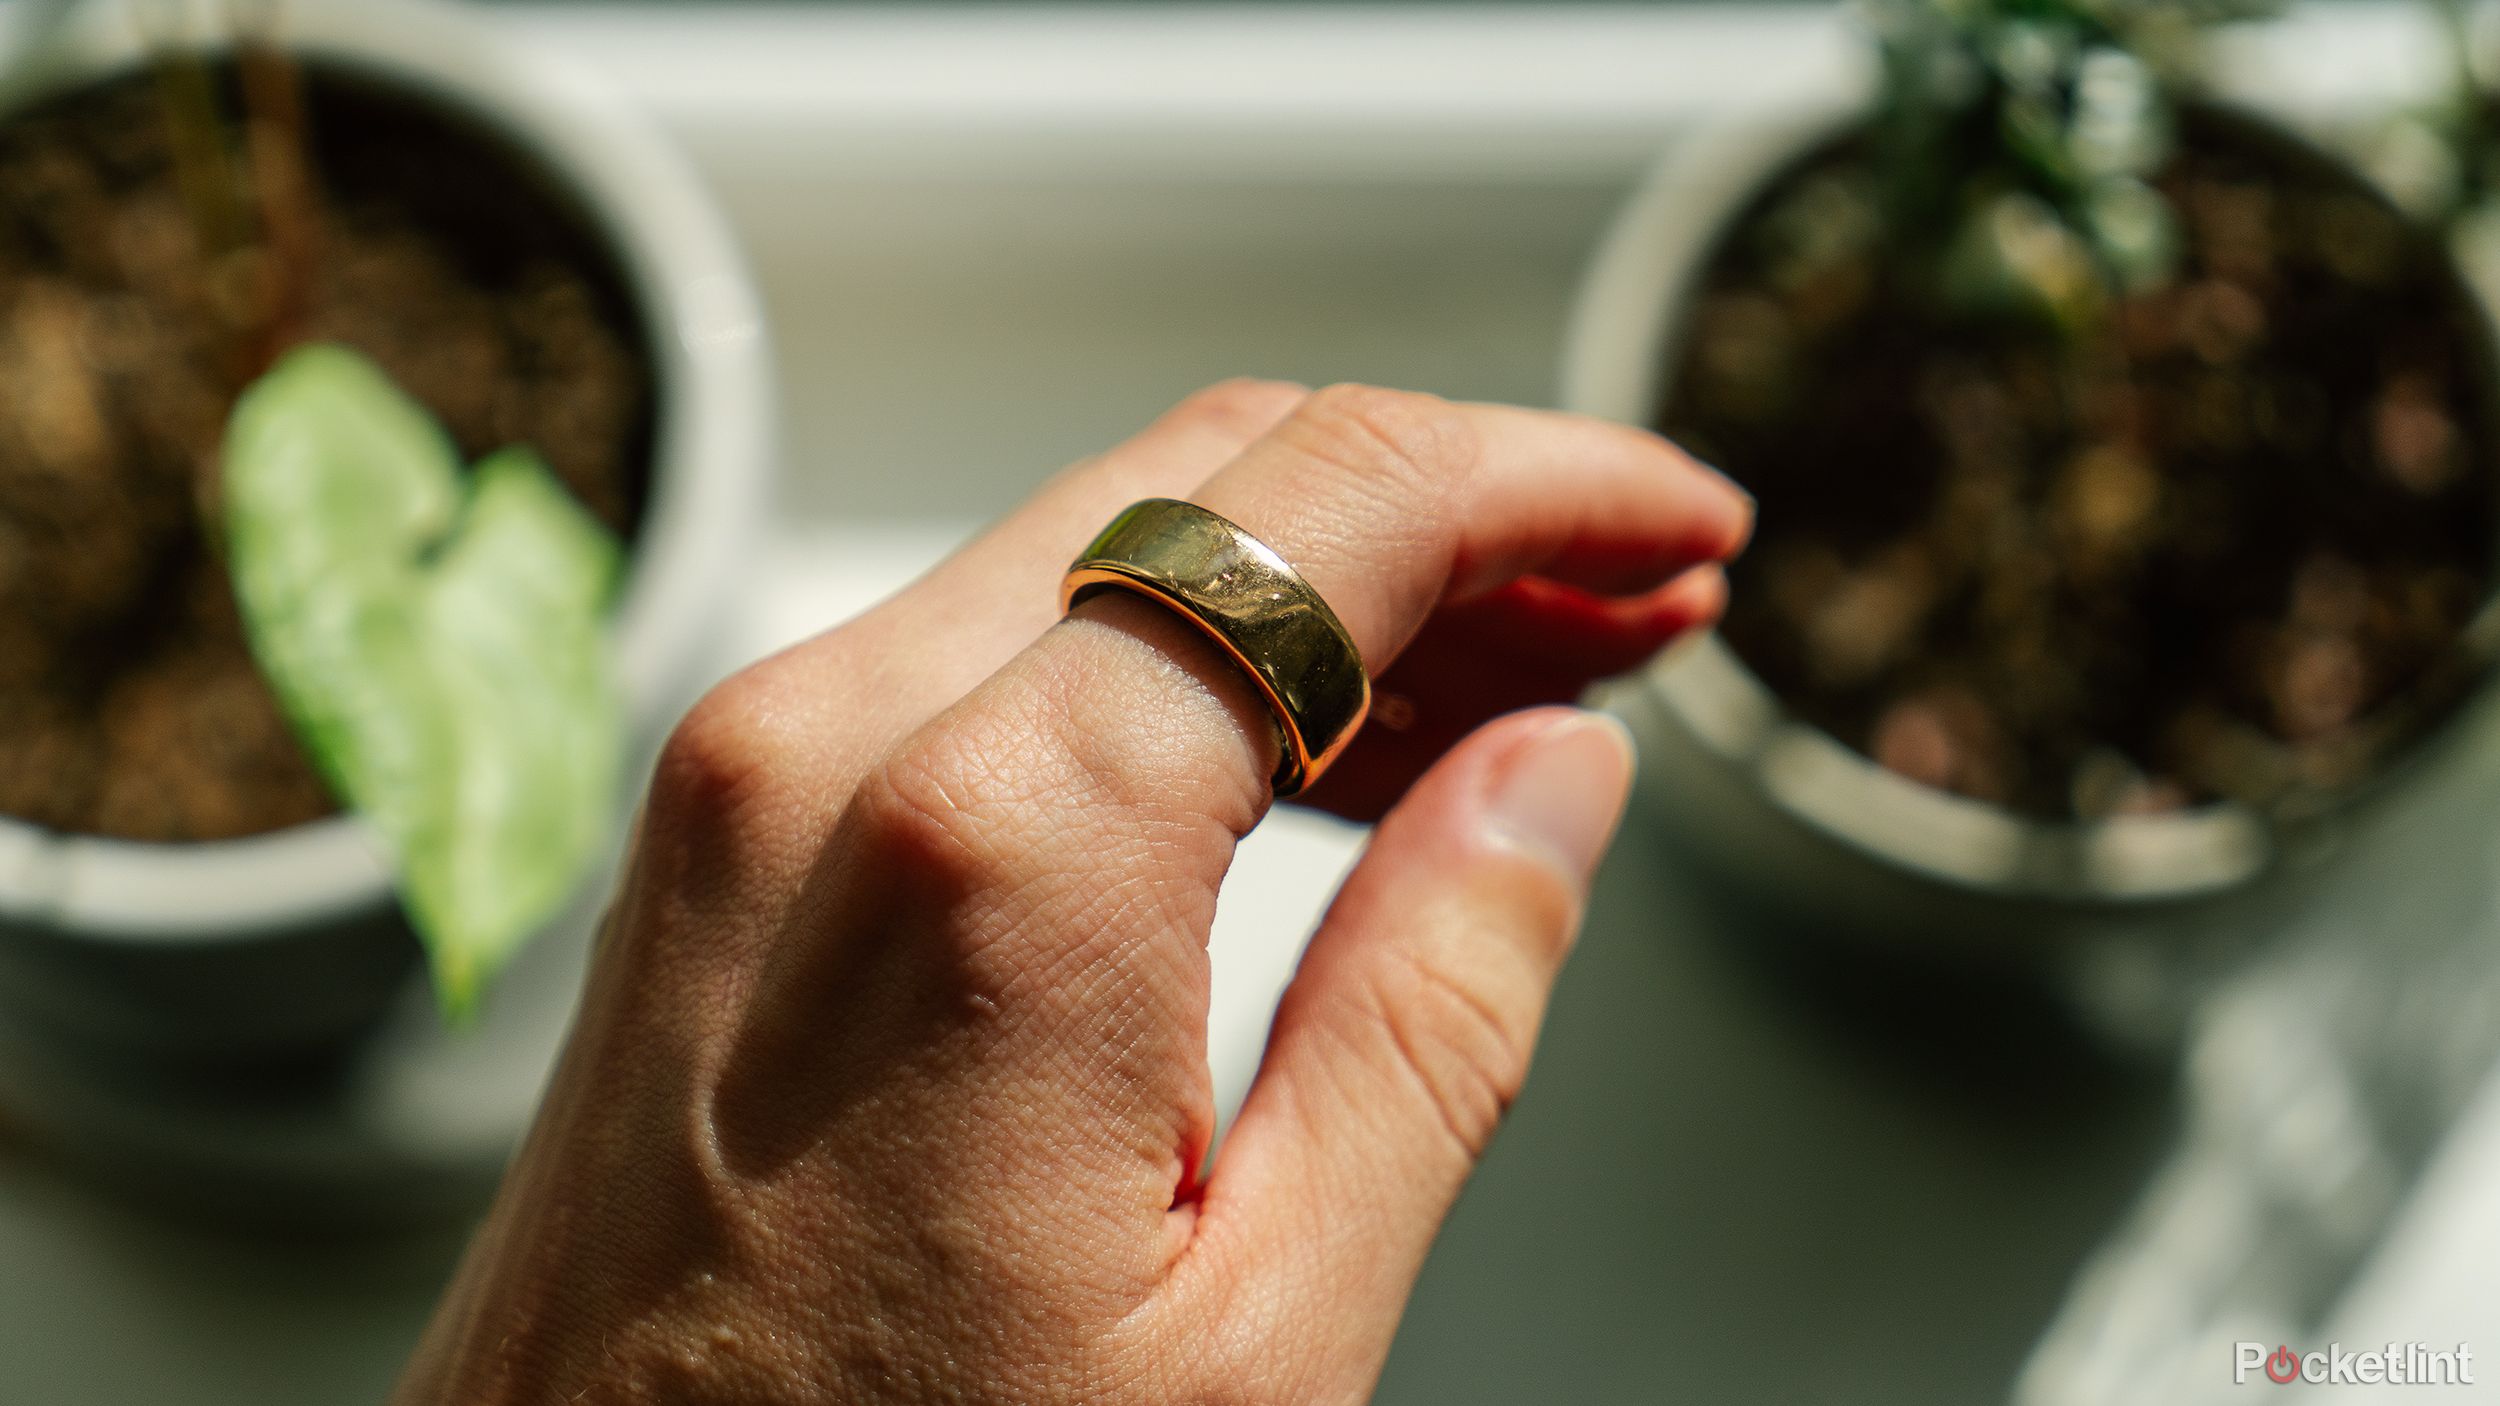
(1257, 609)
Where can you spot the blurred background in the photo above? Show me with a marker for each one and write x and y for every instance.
(990, 239)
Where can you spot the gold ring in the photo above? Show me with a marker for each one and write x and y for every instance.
(1257, 609)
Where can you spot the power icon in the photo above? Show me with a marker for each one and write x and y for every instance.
(2282, 1365)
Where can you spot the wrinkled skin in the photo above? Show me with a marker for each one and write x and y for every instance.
(890, 1081)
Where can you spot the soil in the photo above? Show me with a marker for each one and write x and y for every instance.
(129, 704)
(2226, 545)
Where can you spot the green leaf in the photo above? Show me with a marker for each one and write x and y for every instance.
(439, 641)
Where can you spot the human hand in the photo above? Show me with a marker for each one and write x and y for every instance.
(890, 1079)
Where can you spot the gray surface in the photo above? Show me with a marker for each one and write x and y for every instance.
(103, 1307)
(930, 366)
(1712, 1191)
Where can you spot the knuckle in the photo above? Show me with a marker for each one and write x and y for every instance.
(725, 750)
(952, 809)
(1467, 1056)
(942, 851)
(728, 803)
(1243, 406)
(1420, 442)
(912, 804)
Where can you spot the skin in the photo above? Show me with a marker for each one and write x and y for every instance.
(890, 1079)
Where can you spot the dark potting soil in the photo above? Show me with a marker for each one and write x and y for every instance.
(2223, 547)
(129, 704)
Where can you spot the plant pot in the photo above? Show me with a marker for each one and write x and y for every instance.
(1806, 837)
(255, 958)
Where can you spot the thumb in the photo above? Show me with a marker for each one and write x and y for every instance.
(1407, 1030)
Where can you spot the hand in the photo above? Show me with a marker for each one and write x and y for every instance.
(890, 1080)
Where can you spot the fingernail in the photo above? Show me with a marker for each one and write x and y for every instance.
(1730, 480)
(1753, 510)
(1562, 791)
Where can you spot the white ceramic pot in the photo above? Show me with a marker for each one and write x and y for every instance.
(261, 949)
(1814, 835)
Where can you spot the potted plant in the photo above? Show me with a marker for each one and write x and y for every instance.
(460, 233)
(2127, 475)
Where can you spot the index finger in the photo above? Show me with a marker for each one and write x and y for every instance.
(1390, 503)
(1122, 721)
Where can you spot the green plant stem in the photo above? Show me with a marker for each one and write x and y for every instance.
(188, 89)
(2471, 134)
(278, 139)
